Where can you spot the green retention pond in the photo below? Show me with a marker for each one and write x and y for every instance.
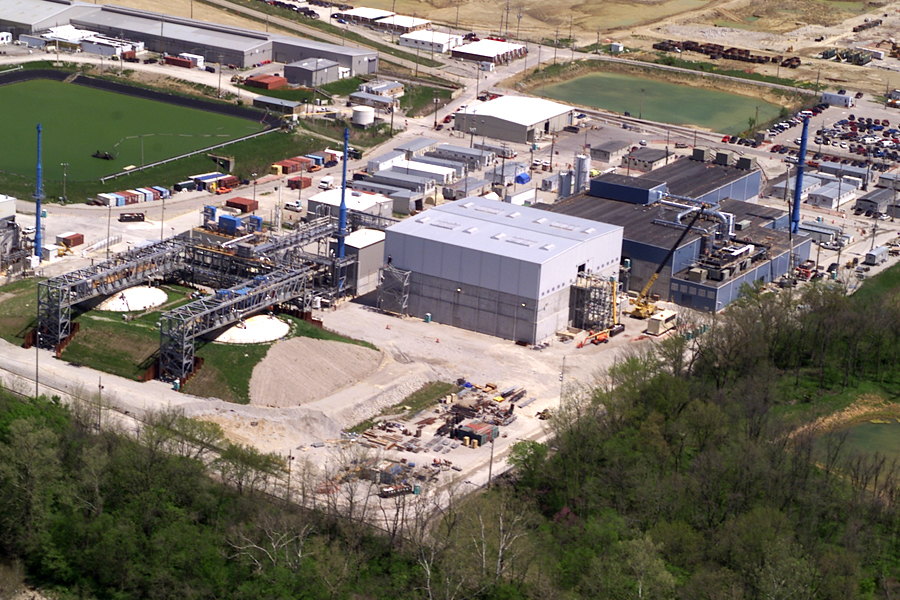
(663, 102)
(873, 437)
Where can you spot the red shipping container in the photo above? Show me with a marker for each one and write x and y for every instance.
(243, 204)
(76, 239)
(179, 62)
(230, 182)
(299, 183)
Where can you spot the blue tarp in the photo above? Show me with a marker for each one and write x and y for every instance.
(523, 178)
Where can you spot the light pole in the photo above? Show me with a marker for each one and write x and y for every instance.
(641, 109)
(162, 220)
(253, 175)
(108, 225)
(435, 100)
(64, 166)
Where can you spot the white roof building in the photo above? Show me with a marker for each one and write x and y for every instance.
(515, 118)
(402, 23)
(364, 14)
(330, 201)
(490, 51)
(440, 174)
(431, 40)
(499, 269)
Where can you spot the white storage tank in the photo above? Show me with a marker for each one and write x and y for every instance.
(363, 115)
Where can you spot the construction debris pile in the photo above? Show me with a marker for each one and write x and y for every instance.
(472, 417)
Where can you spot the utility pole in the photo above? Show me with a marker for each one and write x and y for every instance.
(562, 383)
(491, 464)
(64, 165)
(518, 23)
(162, 220)
(507, 18)
(457, 14)
(641, 109)
(571, 38)
(555, 45)
(219, 93)
(99, 403)
(108, 225)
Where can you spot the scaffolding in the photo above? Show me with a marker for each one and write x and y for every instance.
(393, 290)
(593, 302)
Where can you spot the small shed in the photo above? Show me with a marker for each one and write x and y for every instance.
(279, 105)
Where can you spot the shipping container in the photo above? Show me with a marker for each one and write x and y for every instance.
(163, 192)
(73, 240)
(188, 186)
(175, 61)
(243, 204)
(299, 183)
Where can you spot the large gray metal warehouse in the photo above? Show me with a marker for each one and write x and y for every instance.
(514, 118)
(174, 35)
(498, 269)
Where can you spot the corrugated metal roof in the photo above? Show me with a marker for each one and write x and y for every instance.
(493, 227)
(322, 46)
(416, 145)
(32, 12)
(277, 101)
(430, 35)
(521, 110)
(693, 178)
(464, 150)
(402, 21)
(363, 12)
(197, 33)
(488, 48)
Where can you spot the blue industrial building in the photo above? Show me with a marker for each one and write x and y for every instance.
(737, 242)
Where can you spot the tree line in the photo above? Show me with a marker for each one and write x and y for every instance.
(682, 472)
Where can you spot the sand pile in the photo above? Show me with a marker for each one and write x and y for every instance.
(255, 330)
(140, 297)
(300, 370)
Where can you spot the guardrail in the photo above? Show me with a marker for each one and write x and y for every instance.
(186, 155)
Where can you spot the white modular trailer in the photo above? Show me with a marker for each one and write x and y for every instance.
(431, 41)
(441, 175)
(499, 269)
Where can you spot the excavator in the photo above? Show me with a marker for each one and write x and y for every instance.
(643, 307)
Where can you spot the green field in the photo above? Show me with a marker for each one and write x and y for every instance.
(77, 121)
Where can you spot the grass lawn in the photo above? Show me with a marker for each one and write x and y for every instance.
(419, 99)
(252, 156)
(334, 129)
(227, 368)
(18, 310)
(107, 343)
(78, 120)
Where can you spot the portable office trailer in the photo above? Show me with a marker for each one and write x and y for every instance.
(876, 256)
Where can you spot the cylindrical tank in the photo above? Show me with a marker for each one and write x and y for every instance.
(363, 115)
(466, 441)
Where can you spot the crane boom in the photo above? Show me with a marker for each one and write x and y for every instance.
(642, 308)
